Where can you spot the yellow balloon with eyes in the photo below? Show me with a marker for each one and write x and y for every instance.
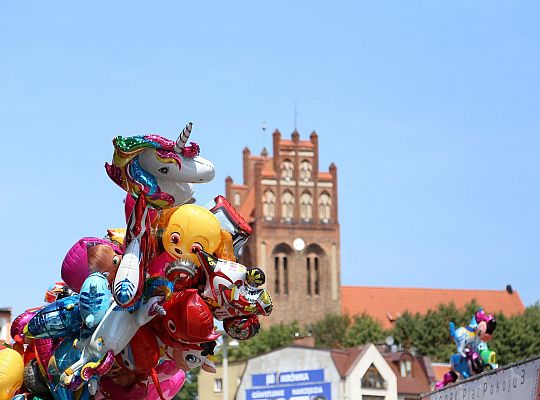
(194, 227)
(11, 373)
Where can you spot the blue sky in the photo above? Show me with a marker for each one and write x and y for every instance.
(429, 110)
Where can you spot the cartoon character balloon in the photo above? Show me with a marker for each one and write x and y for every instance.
(473, 355)
(160, 169)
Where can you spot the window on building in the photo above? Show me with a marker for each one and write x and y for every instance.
(269, 205)
(405, 367)
(325, 207)
(372, 379)
(218, 385)
(237, 199)
(287, 170)
(276, 275)
(308, 275)
(306, 207)
(287, 206)
(316, 283)
(285, 275)
(305, 170)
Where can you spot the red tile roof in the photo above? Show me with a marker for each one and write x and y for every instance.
(416, 384)
(386, 304)
(440, 369)
(247, 208)
(345, 359)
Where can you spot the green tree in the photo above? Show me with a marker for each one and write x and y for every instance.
(330, 332)
(363, 329)
(189, 390)
(266, 340)
(517, 337)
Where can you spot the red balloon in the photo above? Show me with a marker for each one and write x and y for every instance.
(188, 320)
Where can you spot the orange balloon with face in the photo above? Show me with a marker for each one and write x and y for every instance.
(187, 229)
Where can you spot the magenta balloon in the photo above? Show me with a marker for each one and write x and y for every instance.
(128, 208)
(18, 324)
(171, 380)
(75, 268)
(44, 349)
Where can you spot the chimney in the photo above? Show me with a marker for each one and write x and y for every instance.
(509, 289)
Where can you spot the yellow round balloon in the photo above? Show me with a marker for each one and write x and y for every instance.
(191, 226)
(11, 373)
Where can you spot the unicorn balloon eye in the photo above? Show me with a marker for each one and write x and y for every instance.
(162, 170)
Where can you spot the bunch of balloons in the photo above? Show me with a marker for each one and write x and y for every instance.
(473, 355)
(136, 309)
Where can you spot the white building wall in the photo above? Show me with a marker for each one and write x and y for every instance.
(353, 384)
(291, 359)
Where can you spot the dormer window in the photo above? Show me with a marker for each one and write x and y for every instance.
(405, 367)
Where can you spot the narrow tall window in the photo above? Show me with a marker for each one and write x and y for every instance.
(306, 206)
(305, 170)
(276, 275)
(287, 169)
(269, 205)
(325, 204)
(317, 281)
(285, 276)
(308, 275)
(287, 206)
(237, 199)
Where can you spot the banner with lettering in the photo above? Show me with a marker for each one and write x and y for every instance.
(291, 385)
(516, 382)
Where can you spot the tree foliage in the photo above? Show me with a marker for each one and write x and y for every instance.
(189, 390)
(330, 332)
(267, 340)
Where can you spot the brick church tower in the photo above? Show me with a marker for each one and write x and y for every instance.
(292, 207)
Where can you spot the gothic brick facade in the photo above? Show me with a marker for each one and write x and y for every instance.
(292, 207)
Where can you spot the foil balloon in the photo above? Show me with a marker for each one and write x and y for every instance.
(232, 222)
(112, 334)
(232, 290)
(242, 328)
(139, 249)
(187, 320)
(473, 356)
(89, 255)
(189, 227)
(95, 299)
(11, 373)
(18, 324)
(190, 356)
(161, 170)
(59, 319)
(34, 380)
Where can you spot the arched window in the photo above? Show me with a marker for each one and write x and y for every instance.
(314, 273)
(287, 206)
(325, 207)
(269, 205)
(237, 199)
(281, 255)
(305, 170)
(306, 206)
(287, 169)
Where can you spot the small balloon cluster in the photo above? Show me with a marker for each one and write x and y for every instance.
(136, 309)
(473, 355)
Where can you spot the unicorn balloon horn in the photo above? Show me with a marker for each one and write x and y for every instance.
(183, 138)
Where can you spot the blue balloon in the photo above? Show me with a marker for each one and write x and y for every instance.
(95, 299)
(56, 320)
